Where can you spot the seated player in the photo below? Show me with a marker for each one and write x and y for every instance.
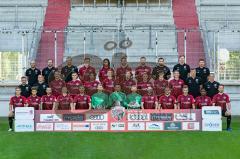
(86, 70)
(91, 85)
(222, 99)
(127, 83)
(64, 101)
(117, 98)
(48, 100)
(185, 101)
(81, 101)
(108, 83)
(57, 84)
(41, 86)
(73, 85)
(15, 101)
(34, 100)
(134, 99)
(25, 88)
(100, 99)
(143, 86)
(103, 71)
(203, 100)
(167, 101)
(160, 84)
(149, 101)
(176, 84)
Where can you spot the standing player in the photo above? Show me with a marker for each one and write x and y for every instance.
(134, 99)
(64, 101)
(160, 84)
(109, 82)
(211, 86)
(99, 99)
(34, 100)
(117, 98)
(185, 101)
(176, 84)
(15, 101)
(103, 71)
(68, 70)
(161, 68)
(127, 83)
(48, 70)
(141, 69)
(121, 71)
(81, 101)
(32, 73)
(194, 84)
(85, 71)
(203, 100)
(149, 101)
(143, 86)
(73, 85)
(167, 101)
(222, 99)
(57, 84)
(183, 68)
(25, 88)
(41, 86)
(91, 85)
(48, 100)
(202, 71)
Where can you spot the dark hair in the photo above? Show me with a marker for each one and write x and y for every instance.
(23, 77)
(160, 58)
(87, 58)
(107, 61)
(201, 60)
(221, 85)
(181, 56)
(143, 57)
(34, 88)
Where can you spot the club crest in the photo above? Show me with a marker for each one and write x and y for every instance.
(118, 113)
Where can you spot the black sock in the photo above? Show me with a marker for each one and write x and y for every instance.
(229, 118)
(10, 120)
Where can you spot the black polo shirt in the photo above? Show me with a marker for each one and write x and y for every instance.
(158, 69)
(194, 86)
(184, 70)
(32, 75)
(25, 90)
(46, 72)
(211, 88)
(203, 73)
(67, 72)
(41, 88)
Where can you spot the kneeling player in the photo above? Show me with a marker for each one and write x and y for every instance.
(185, 101)
(34, 100)
(203, 100)
(64, 101)
(222, 99)
(48, 101)
(99, 99)
(15, 101)
(82, 101)
(149, 101)
(167, 101)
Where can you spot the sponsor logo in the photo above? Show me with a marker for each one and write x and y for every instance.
(118, 113)
(211, 112)
(137, 126)
(73, 117)
(24, 113)
(99, 126)
(161, 117)
(191, 126)
(138, 117)
(44, 126)
(212, 125)
(117, 126)
(62, 126)
(80, 126)
(24, 125)
(154, 126)
(184, 116)
(172, 126)
(50, 117)
(96, 117)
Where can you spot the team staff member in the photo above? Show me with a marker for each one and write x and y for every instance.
(48, 100)
(64, 101)
(121, 71)
(34, 100)
(81, 101)
(15, 101)
(68, 70)
(25, 88)
(211, 86)
(160, 84)
(109, 82)
(41, 86)
(127, 83)
(99, 100)
(103, 71)
(167, 101)
(48, 70)
(202, 71)
(222, 99)
(91, 85)
(32, 73)
(141, 69)
(57, 84)
(161, 68)
(85, 71)
(176, 84)
(203, 100)
(134, 99)
(183, 68)
(143, 86)
(149, 101)
(186, 101)
(194, 84)
(73, 85)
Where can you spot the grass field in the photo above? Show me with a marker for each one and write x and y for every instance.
(168, 145)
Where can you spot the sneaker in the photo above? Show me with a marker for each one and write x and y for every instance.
(229, 129)
(10, 129)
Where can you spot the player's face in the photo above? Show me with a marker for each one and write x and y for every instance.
(86, 63)
(92, 77)
(176, 74)
(69, 62)
(128, 75)
(203, 92)
(161, 77)
(81, 90)
(181, 60)
(201, 63)
(57, 76)
(117, 88)
(150, 91)
(185, 90)
(74, 76)
(161, 62)
(18, 92)
(167, 91)
(124, 61)
(221, 89)
(193, 73)
(100, 87)
(24, 81)
(34, 92)
(64, 90)
(40, 78)
(50, 63)
(145, 77)
(211, 77)
(134, 89)
(105, 63)
(33, 64)
(49, 91)
(142, 61)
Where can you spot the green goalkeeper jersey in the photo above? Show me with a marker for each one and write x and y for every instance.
(116, 99)
(99, 100)
(134, 100)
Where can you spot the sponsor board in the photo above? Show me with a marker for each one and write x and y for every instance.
(173, 126)
(24, 125)
(211, 112)
(138, 116)
(161, 117)
(154, 126)
(24, 113)
(136, 126)
(118, 113)
(44, 126)
(101, 126)
(211, 125)
(118, 126)
(73, 117)
(191, 126)
(62, 126)
(184, 116)
(96, 117)
(80, 126)
(51, 118)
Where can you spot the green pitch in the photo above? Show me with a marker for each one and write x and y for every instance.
(167, 145)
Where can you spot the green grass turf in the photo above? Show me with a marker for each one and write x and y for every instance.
(153, 145)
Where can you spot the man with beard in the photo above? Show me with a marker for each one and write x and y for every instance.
(161, 68)
(32, 73)
(121, 71)
(57, 84)
(99, 99)
(81, 101)
(134, 99)
(167, 101)
(183, 68)
(149, 101)
(48, 70)
(85, 71)
(141, 69)
(68, 70)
